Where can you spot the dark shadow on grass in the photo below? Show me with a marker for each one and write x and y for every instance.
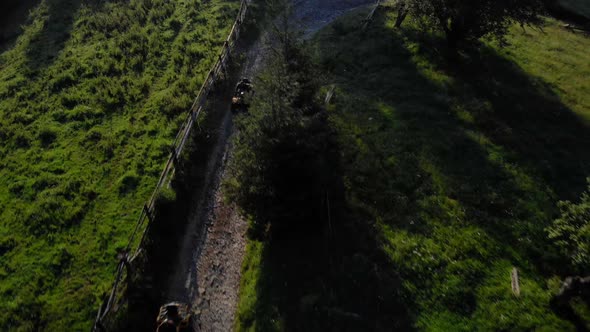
(540, 135)
(526, 118)
(327, 273)
(13, 15)
(46, 46)
(394, 178)
(567, 312)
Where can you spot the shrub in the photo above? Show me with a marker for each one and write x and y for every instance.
(571, 232)
(468, 20)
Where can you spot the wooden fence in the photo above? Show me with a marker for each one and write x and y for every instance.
(369, 17)
(108, 312)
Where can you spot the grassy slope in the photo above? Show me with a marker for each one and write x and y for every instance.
(91, 95)
(460, 167)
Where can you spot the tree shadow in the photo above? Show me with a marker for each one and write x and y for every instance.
(544, 149)
(494, 139)
(328, 274)
(543, 144)
(527, 118)
(13, 15)
(46, 45)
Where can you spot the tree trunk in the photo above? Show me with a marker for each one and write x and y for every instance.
(402, 12)
(452, 41)
(455, 33)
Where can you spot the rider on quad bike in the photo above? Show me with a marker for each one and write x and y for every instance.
(241, 94)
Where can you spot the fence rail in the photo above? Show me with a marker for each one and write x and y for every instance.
(142, 227)
(369, 17)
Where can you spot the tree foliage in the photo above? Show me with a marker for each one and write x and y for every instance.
(571, 231)
(279, 166)
(468, 20)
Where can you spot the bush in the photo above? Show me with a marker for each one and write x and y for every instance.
(571, 232)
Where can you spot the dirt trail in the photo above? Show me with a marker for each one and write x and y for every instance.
(219, 267)
(214, 245)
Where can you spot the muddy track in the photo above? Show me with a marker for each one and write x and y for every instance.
(207, 272)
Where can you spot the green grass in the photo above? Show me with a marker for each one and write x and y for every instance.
(255, 309)
(452, 171)
(461, 165)
(91, 96)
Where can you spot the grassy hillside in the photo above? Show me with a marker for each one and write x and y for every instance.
(453, 171)
(91, 95)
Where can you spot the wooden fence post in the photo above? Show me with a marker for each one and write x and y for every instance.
(174, 157)
(515, 283)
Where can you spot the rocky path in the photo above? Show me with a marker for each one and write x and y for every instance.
(218, 269)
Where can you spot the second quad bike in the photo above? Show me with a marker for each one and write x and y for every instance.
(174, 317)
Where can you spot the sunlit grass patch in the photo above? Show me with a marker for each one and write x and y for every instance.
(91, 97)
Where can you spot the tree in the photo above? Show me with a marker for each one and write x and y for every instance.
(280, 170)
(402, 12)
(571, 232)
(469, 20)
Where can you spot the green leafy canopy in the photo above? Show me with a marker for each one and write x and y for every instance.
(465, 20)
(571, 231)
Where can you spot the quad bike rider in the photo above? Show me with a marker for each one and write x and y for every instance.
(243, 91)
(174, 317)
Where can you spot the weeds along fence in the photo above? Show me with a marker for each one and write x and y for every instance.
(110, 311)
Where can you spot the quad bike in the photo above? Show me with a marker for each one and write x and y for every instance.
(174, 317)
(243, 92)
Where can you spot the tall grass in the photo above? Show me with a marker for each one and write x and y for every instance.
(91, 96)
